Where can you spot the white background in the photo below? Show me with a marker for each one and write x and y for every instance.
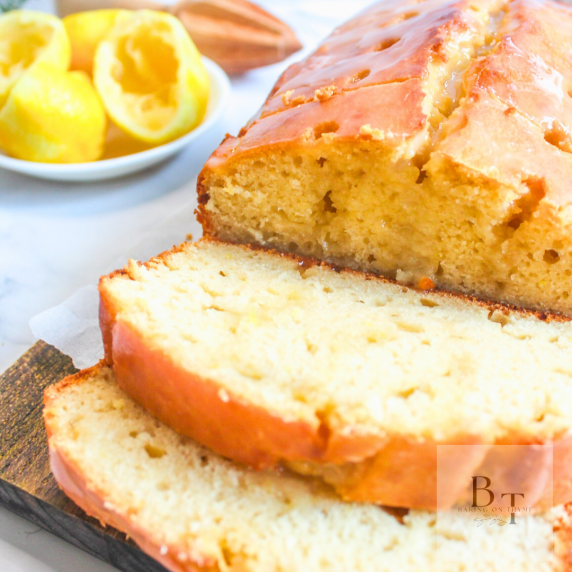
(55, 238)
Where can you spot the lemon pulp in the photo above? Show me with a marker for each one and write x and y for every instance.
(151, 77)
(146, 70)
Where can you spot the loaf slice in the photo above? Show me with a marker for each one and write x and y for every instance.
(422, 138)
(270, 359)
(192, 510)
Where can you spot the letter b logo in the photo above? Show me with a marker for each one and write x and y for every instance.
(476, 488)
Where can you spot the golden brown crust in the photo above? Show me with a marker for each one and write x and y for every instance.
(375, 62)
(412, 36)
(51, 392)
(341, 117)
(389, 42)
(529, 72)
(198, 408)
(468, 145)
(384, 469)
(78, 488)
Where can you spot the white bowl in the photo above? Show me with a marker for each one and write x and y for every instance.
(110, 168)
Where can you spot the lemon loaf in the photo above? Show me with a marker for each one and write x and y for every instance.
(193, 510)
(422, 139)
(270, 359)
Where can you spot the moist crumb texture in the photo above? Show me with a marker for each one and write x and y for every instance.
(200, 510)
(352, 352)
(421, 139)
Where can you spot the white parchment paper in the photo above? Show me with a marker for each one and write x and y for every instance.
(73, 326)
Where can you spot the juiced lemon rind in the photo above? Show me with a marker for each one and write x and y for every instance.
(26, 39)
(86, 30)
(151, 77)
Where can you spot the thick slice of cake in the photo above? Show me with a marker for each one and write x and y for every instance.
(422, 139)
(270, 359)
(194, 511)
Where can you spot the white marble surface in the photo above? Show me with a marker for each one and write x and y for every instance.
(56, 238)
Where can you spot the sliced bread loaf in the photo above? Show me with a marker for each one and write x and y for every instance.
(192, 510)
(421, 138)
(267, 358)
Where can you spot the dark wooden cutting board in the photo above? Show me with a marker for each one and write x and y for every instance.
(26, 483)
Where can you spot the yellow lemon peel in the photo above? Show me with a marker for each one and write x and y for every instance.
(53, 116)
(86, 30)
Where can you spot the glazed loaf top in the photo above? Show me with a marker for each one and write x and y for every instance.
(398, 71)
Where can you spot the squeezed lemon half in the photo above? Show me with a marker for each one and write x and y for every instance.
(53, 116)
(86, 30)
(151, 77)
(27, 38)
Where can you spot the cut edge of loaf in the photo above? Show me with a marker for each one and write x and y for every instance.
(359, 465)
(309, 261)
(185, 552)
